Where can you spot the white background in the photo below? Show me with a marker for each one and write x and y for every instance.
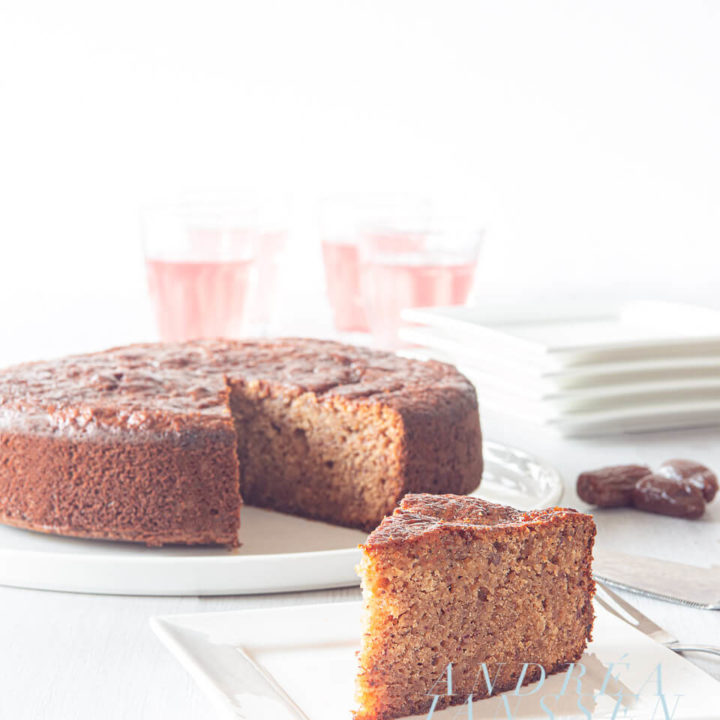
(584, 135)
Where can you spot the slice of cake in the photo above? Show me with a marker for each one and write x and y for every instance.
(453, 580)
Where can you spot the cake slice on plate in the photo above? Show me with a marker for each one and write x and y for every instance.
(486, 589)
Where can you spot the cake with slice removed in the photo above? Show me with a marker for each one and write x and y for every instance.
(162, 443)
(453, 580)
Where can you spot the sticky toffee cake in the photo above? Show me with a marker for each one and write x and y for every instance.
(457, 580)
(162, 443)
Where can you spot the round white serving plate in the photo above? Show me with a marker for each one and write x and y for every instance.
(279, 553)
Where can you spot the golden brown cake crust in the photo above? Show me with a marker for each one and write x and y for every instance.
(150, 442)
(423, 514)
(159, 386)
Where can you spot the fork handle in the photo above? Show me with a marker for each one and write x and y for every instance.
(680, 647)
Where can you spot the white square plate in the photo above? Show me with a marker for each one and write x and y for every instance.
(438, 344)
(641, 366)
(299, 663)
(551, 338)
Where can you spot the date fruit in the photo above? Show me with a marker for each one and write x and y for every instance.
(669, 496)
(610, 486)
(694, 473)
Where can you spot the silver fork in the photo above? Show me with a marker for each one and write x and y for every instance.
(614, 604)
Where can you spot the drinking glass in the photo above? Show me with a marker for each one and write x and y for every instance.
(343, 221)
(271, 238)
(199, 258)
(402, 270)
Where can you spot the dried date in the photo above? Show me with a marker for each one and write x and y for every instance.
(692, 472)
(610, 486)
(668, 496)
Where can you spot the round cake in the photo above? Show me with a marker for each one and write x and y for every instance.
(162, 443)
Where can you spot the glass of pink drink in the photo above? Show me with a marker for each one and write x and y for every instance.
(342, 221)
(271, 239)
(402, 270)
(199, 262)
(342, 274)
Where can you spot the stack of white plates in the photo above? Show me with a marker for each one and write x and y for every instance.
(642, 366)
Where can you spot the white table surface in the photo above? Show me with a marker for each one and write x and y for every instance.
(81, 656)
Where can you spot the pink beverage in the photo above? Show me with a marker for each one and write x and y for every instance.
(394, 241)
(392, 284)
(199, 299)
(269, 247)
(342, 272)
